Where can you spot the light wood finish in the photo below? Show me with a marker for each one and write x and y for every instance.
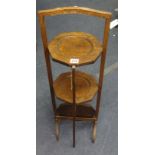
(86, 87)
(75, 10)
(94, 131)
(77, 45)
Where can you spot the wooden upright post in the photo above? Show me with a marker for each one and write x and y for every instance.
(74, 102)
(103, 56)
(47, 58)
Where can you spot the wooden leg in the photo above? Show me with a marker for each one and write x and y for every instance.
(94, 132)
(73, 132)
(57, 128)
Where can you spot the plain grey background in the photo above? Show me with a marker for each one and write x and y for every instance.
(107, 128)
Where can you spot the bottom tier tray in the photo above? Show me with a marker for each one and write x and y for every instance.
(82, 111)
(85, 85)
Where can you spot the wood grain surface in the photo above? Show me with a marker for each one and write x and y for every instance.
(85, 84)
(84, 47)
(75, 45)
(75, 10)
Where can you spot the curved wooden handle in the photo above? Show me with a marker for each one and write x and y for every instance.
(75, 10)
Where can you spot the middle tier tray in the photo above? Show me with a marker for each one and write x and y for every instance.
(86, 87)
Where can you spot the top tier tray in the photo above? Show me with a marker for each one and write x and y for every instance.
(81, 46)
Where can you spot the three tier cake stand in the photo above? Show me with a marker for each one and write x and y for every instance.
(74, 49)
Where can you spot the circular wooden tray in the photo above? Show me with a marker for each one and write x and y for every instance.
(85, 84)
(75, 45)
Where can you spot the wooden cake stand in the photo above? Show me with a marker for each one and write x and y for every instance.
(74, 49)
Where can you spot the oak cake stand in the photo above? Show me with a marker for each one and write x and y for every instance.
(75, 49)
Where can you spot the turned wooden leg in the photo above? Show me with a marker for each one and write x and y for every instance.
(57, 128)
(94, 131)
